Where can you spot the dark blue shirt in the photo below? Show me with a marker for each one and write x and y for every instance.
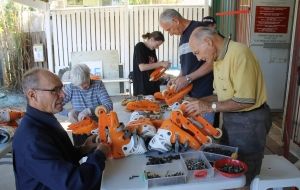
(202, 86)
(44, 157)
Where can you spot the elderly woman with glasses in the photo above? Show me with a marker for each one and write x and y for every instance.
(85, 95)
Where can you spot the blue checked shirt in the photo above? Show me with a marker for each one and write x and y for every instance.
(91, 98)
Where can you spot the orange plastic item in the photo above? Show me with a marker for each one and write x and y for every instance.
(132, 125)
(94, 77)
(13, 124)
(139, 125)
(157, 73)
(158, 96)
(110, 131)
(144, 121)
(178, 118)
(84, 126)
(157, 122)
(143, 105)
(183, 136)
(10, 117)
(206, 128)
(171, 96)
(126, 101)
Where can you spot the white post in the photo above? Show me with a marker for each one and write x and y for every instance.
(48, 32)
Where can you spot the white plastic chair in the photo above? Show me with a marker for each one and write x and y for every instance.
(276, 172)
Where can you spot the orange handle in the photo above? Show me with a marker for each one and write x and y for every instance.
(157, 73)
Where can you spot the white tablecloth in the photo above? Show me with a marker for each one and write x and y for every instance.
(117, 172)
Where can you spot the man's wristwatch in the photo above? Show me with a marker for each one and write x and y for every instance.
(214, 106)
(188, 79)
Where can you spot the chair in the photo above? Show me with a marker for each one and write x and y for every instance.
(276, 172)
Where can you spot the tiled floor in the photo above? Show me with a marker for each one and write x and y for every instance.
(274, 140)
(275, 143)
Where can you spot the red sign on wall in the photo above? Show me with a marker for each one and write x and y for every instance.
(270, 19)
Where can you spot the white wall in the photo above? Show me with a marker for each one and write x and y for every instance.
(275, 74)
(273, 49)
(113, 28)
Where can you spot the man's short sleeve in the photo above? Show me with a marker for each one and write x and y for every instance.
(244, 77)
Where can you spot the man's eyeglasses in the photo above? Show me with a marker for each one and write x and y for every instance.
(55, 90)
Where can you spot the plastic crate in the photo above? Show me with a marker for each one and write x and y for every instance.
(166, 171)
(229, 151)
(206, 172)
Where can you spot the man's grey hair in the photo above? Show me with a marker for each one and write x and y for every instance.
(80, 74)
(30, 79)
(168, 14)
(203, 31)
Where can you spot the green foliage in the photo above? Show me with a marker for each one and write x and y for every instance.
(11, 45)
(8, 17)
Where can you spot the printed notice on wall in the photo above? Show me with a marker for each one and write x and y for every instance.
(272, 22)
(270, 19)
(38, 53)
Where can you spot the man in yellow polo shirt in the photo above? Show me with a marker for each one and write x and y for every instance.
(239, 93)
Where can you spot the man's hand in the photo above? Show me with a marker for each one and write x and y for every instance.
(198, 107)
(171, 82)
(73, 116)
(180, 83)
(84, 113)
(89, 144)
(91, 140)
(104, 148)
(165, 64)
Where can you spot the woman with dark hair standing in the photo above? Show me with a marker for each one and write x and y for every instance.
(145, 61)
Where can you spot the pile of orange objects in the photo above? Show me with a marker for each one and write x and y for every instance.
(10, 117)
(182, 129)
(9, 120)
(170, 96)
(163, 135)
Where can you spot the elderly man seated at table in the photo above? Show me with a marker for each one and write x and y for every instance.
(85, 95)
(43, 155)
